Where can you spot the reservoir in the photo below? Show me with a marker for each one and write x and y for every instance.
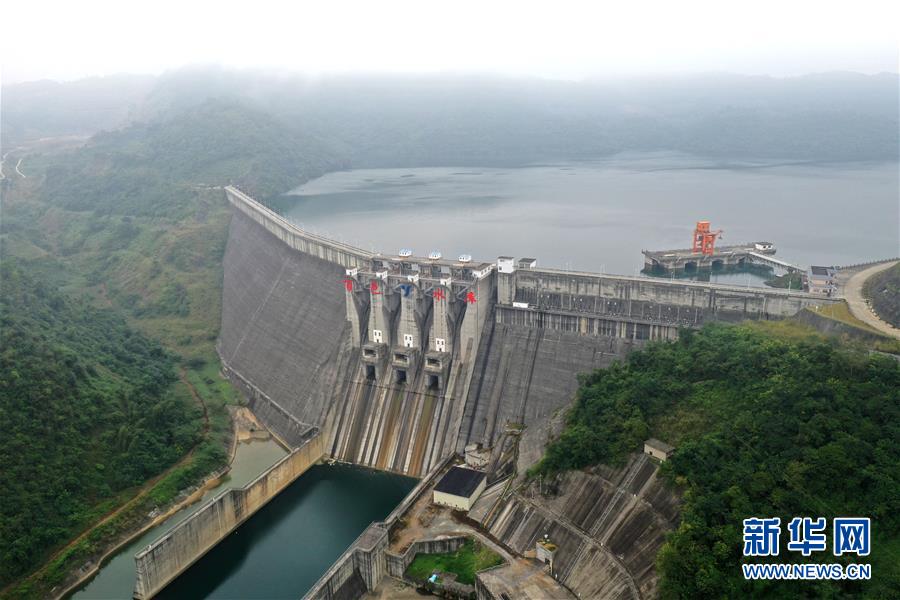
(599, 215)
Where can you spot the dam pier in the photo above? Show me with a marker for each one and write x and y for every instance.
(399, 362)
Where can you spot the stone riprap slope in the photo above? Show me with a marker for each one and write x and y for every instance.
(608, 526)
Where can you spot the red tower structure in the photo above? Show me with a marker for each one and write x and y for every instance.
(704, 239)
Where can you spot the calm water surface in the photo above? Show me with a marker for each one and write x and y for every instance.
(116, 578)
(598, 216)
(282, 550)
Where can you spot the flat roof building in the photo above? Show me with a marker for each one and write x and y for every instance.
(658, 449)
(459, 488)
(820, 280)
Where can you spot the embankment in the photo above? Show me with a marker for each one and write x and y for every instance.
(166, 558)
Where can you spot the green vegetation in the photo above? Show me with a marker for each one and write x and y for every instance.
(765, 424)
(89, 409)
(469, 559)
(155, 169)
(839, 311)
(883, 291)
(793, 281)
(143, 245)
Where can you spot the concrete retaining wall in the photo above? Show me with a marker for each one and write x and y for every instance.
(398, 563)
(166, 558)
(365, 559)
(835, 327)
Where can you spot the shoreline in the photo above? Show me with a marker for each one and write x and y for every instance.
(239, 435)
(104, 559)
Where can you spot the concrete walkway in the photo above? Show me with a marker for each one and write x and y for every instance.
(859, 307)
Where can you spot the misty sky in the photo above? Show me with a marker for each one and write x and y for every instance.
(560, 39)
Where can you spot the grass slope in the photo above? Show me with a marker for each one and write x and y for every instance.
(468, 560)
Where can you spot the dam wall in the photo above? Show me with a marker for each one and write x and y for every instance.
(167, 557)
(525, 375)
(401, 361)
(284, 327)
(293, 337)
(552, 295)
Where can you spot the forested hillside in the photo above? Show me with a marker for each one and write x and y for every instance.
(145, 245)
(88, 409)
(153, 169)
(764, 426)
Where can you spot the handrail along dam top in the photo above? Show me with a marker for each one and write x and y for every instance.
(375, 262)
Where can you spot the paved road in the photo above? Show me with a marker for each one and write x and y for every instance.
(852, 291)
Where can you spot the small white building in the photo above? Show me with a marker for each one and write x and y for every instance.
(477, 457)
(459, 488)
(658, 449)
(545, 550)
(820, 280)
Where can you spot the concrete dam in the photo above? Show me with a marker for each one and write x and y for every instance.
(403, 360)
(398, 362)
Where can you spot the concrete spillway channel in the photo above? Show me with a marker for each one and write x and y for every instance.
(391, 423)
(423, 428)
(387, 428)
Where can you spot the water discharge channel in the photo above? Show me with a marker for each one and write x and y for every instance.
(116, 578)
(282, 550)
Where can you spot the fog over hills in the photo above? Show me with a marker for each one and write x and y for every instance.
(430, 120)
